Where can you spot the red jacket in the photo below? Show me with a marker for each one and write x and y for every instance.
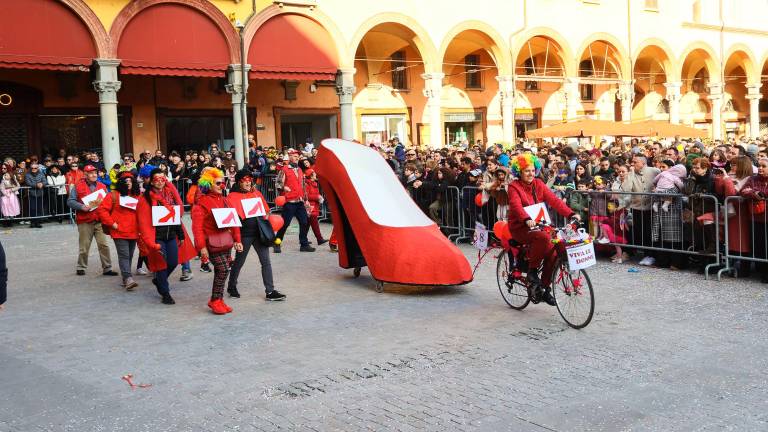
(72, 177)
(313, 196)
(203, 222)
(295, 182)
(235, 198)
(110, 211)
(82, 189)
(521, 195)
(147, 244)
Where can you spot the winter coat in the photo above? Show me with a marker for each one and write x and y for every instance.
(523, 194)
(32, 180)
(203, 222)
(110, 212)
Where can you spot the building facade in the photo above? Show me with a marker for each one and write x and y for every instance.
(130, 75)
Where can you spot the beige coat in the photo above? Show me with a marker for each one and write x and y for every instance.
(642, 182)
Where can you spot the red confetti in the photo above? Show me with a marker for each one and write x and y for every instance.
(129, 379)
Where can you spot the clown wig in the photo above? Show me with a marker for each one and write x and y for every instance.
(146, 171)
(523, 161)
(208, 177)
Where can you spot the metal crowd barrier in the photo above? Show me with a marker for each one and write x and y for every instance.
(470, 213)
(669, 226)
(43, 203)
(746, 236)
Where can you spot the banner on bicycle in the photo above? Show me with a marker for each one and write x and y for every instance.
(581, 256)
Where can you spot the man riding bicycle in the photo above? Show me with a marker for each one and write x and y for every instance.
(525, 191)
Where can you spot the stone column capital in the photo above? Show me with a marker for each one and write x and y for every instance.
(234, 84)
(107, 91)
(753, 91)
(715, 91)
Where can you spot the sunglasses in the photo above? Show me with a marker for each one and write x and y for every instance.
(220, 183)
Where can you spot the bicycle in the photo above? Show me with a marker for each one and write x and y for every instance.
(572, 289)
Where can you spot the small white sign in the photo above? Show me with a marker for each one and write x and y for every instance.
(480, 239)
(253, 207)
(226, 217)
(128, 202)
(161, 216)
(538, 213)
(96, 195)
(581, 256)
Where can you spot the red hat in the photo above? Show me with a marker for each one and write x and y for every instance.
(293, 151)
(89, 167)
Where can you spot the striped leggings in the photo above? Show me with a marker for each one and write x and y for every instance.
(220, 261)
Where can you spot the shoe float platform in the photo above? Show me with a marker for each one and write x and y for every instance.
(377, 223)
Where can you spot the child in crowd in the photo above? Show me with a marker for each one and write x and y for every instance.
(598, 209)
(562, 183)
(9, 202)
(579, 200)
(670, 180)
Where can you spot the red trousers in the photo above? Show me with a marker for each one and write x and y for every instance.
(314, 223)
(540, 249)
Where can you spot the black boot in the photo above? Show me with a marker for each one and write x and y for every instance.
(233, 292)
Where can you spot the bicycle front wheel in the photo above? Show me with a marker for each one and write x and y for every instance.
(514, 291)
(574, 295)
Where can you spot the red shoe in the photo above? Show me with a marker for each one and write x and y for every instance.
(218, 307)
(399, 243)
(226, 306)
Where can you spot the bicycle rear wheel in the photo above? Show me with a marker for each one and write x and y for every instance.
(514, 291)
(574, 295)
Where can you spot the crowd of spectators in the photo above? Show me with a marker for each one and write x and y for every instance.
(466, 185)
(620, 188)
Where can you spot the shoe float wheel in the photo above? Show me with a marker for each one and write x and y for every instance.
(379, 286)
(356, 272)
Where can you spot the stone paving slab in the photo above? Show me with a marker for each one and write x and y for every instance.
(665, 351)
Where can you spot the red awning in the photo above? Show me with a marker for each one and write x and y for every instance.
(41, 34)
(173, 39)
(292, 47)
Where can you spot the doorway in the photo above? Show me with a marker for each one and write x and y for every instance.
(296, 129)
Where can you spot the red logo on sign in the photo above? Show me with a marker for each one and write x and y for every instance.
(229, 219)
(540, 217)
(259, 206)
(170, 216)
(131, 204)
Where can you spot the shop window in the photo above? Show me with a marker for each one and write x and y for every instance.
(586, 70)
(763, 106)
(76, 133)
(472, 71)
(184, 133)
(530, 69)
(399, 71)
(378, 129)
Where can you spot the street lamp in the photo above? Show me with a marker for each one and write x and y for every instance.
(243, 86)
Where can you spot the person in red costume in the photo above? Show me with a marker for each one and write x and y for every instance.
(290, 181)
(315, 201)
(163, 245)
(88, 225)
(118, 212)
(245, 189)
(211, 241)
(525, 191)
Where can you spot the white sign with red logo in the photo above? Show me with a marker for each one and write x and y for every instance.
(96, 195)
(581, 256)
(253, 207)
(226, 217)
(129, 202)
(538, 212)
(162, 216)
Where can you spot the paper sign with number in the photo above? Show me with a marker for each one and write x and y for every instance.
(226, 217)
(538, 212)
(129, 202)
(253, 207)
(99, 194)
(162, 216)
(480, 239)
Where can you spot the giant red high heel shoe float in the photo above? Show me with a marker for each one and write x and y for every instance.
(378, 224)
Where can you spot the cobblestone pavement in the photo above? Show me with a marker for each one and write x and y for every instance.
(666, 351)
